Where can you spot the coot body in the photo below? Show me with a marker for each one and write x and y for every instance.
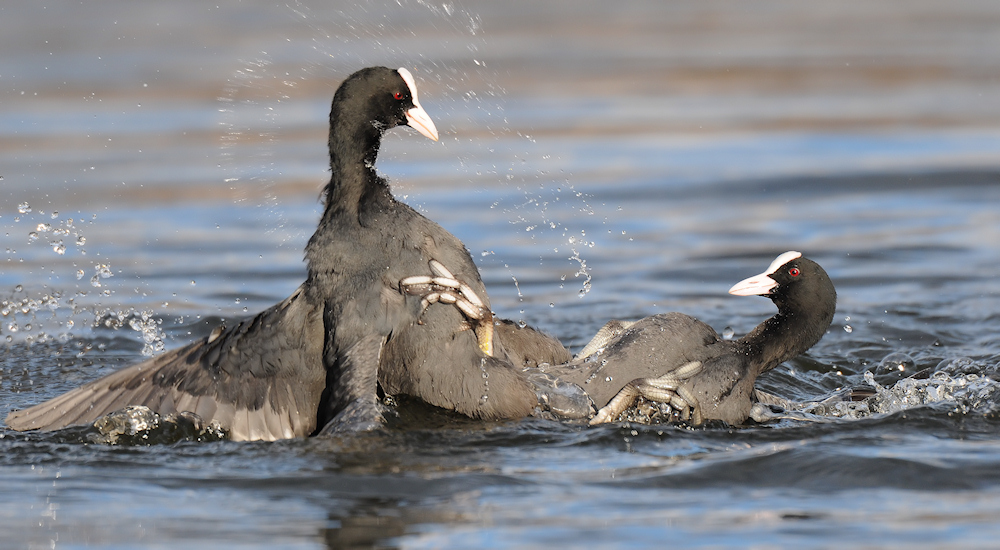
(676, 358)
(316, 358)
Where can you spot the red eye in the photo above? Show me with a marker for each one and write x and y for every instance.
(398, 95)
(794, 272)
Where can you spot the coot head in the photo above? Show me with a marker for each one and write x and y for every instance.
(793, 282)
(806, 301)
(384, 97)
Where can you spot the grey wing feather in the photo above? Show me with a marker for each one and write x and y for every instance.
(260, 379)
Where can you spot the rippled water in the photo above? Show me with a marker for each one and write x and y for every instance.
(160, 172)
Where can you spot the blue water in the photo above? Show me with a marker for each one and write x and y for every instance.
(599, 163)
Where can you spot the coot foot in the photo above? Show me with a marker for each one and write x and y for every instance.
(444, 287)
(361, 415)
(611, 330)
(665, 389)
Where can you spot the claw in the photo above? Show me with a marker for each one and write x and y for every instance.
(611, 330)
(688, 370)
(618, 404)
(414, 280)
(439, 269)
(470, 295)
(686, 394)
(442, 288)
(447, 282)
(665, 389)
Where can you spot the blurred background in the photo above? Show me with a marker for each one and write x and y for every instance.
(111, 112)
(160, 171)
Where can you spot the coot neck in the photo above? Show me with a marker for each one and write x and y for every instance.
(788, 334)
(354, 144)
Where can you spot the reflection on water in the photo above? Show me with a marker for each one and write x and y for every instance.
(161, 167)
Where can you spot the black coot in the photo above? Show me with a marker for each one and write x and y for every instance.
(678, 359)
(316, 358)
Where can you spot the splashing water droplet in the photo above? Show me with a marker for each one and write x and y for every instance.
(728, 333)
(24, 208)
(896, 361)
(848, 329)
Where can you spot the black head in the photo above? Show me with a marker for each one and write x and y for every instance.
(380, 98)
(796, 284)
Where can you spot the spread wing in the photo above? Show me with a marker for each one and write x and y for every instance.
(260, 380)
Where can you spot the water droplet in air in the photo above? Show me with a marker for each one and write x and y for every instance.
(728, 333)
(848, 329)
(18, 288)
(896, 361)
(79, 274)
(24, 208)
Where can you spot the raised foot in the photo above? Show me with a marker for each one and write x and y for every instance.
(611, 330)
(445, 288)
(668, 388)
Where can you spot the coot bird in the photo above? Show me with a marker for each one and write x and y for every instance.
(678, 359)
(317, 358)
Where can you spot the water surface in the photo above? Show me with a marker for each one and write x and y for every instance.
(599, 163)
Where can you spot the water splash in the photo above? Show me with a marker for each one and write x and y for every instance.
(57, 234)
(34, 316)
(140, 425)
(963, 384)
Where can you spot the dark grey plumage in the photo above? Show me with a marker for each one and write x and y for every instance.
(316, 359)
(716, 374)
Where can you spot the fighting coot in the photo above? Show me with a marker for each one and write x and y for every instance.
(678, 359)
(316, 359)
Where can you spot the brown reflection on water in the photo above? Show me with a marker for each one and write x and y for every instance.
(581, 69)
